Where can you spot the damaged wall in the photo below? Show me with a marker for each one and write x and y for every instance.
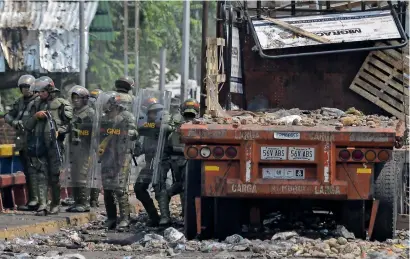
(33, 41)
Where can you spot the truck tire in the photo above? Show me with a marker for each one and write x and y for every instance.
(192, 189)
(385, 190)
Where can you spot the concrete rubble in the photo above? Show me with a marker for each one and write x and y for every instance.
(314, 237)
(308, 118)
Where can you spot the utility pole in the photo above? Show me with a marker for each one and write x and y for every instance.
(82, 43)
(185, 50)
(126, 38)
(137, 44)
(205, 8)
(162, 65)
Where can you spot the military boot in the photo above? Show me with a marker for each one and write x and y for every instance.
(82, 201)
(55, 199)
(95, 192)
(75, 196)
(111, 209)
(163, 202)
(124, 207)
(149, 207)
(42, 198)
(32, 203)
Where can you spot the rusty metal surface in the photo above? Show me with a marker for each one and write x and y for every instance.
(43, 35)
(375, 207)
(216, 133)
(228, 179)
(302, 82)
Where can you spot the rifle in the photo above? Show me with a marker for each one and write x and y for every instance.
(53, 136)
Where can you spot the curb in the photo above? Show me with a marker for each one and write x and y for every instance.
(47, 227)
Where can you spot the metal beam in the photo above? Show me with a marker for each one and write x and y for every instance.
(125, 38)
(137, 43)
(82, 44)
(185, 49)
(162, 65)
(205, 8)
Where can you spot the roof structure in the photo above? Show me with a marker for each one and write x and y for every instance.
(43, 36)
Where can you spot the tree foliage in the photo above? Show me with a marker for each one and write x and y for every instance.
(160, 26)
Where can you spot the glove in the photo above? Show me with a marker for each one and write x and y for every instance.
(133, 134)
(17, 124)
(40, 115)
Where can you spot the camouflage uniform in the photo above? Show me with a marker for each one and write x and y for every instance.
(170, 160)
(115, 158)
(16, 118)
(41, 149)
(94, 192)
(148, 148)
(79, 148)
(174, 159)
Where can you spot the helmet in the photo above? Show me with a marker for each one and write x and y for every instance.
(95, 93)
(175, 102)
(47, 84)
(124, 82)
(79, 90)
(109, 100)
(147, 102)
(155, 107)
(190, 106)
(26, 81)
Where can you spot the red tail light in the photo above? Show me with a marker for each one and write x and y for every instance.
(218, 152)
(344, 154)
(357, 155)
(231, 152)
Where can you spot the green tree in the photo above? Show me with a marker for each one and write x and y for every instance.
(160, 27)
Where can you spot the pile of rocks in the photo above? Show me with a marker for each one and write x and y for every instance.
(308, 118)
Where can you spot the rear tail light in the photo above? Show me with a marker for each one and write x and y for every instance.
(357, 155)
(192, 152)
(205, 152)
(218, 152)
(383, 155)
(370, 155)
(344, 155)
(231, 152)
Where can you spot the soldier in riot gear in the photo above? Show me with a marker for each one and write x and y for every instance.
(114, 142)
(16, 118)
(173, 158)
(153, 106)
(77, 159)
(94, 192)
(47, 127)
(123, 86)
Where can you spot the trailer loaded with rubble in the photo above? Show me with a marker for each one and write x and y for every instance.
(253, 152)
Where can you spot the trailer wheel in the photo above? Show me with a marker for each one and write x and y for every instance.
(192, 189)
(385, 190)
(354, 218)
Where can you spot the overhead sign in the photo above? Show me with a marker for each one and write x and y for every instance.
(338, 28)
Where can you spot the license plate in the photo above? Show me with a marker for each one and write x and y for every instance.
(301, 153)
(283, 173)
(273, 153)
